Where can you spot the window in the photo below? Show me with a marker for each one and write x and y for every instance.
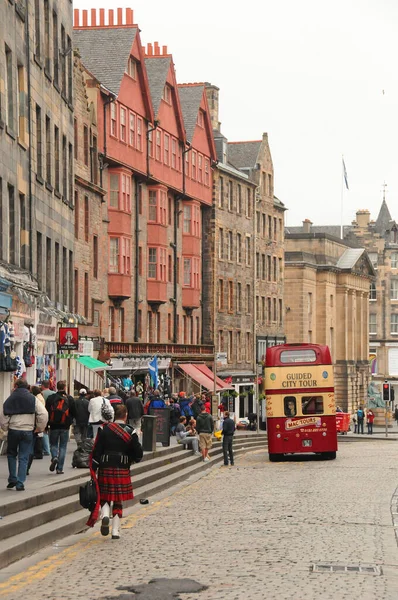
(248, 203)
(394, 324)
(248, 346)
(230, 296)
(125, 255)
(167, 94)
(200, 168)
(49, 267)
(221, 243)
(174, 153)
(248, 254)
(95, 256)
(187, 272)
(280, 311)
(264, 224)
(269, 315)
(39, 259)
(196, 221)
(394, 260)
(187, 218)
(229, 245)
(372, 292)
(70, 174)
(64, 170)
(274, 305)
(152, 263)
(153, 206)
(12, 231)
(248, 299)
(21, 105)
(56, 272)
(63, 60)
(139, 134)
(220, 341)
(47, 34)
(39, 142)
(86, 218)
(196, 273)
(86, 295)
(9, 90)
(230, 196)
(86, 145)
(238, 347)
(238, 297)
(132, 67)
(65, 276)
(290, 406)
(77, 207)
(157, 207)
(239, 200)
(280, 268)
(48, 150)
(113, 119)
(312, 405)
(201, 118)
(263, 310)
(207, 172)
(257, 272)
(298, 356)
(269, 268)
(275, 268)
(220, 294)
(166, 149)
(238, 248)
(170, 268)
(55, 49)
(114, 190)
(372, 324)
(114, 255)
(24, 237)
(76, 281)
(258, 222)
(123, 124)
(126, 193)
(230, 346)
(158, 145)
(37, 30)
(69, 55)
(394, 289)
(150, 143)
(194, 164)
(221, 192)
(94, 160)
(263, 267)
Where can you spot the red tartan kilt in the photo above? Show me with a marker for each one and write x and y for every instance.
(115, 484)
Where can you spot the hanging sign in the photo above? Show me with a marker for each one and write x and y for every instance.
(68, 338)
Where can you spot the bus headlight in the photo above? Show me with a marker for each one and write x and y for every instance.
(278, 426)
(323, 424)
(324, 434)
(278, 435)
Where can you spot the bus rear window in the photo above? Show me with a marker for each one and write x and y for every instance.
(312, 405)
(298, 356)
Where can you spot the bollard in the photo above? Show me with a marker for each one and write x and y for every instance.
(149, 433)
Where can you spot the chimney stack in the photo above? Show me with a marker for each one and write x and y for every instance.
(212, 100)
(363, 218)
(307, 226)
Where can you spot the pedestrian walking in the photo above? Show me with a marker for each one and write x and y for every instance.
(361, 418)
(37, 446)
(113, 397)
(115, 448)
(204, 427)
(97, 408)
(156, 401)
(370, 417)
(396, 414)
(135, 411)
(61, 412)
(81, 417)
(46, 392)
(228, 430)
(186, 438)
(21, 415)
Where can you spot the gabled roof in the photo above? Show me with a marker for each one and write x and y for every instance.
(243, 155)
(157, 68)
(383, 221)
(191, 98)
(349, 258)
(105, 52)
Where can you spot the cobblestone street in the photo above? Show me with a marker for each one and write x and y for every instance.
(248, 532)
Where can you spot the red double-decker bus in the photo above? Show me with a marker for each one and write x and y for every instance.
(300, 406)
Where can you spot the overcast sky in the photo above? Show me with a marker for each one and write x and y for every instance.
(319, 77)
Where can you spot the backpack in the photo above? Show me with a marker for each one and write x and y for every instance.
(106, 411)
(360, 414)
(88, 495)
(59, 411)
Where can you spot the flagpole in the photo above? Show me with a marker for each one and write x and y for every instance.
(342, 196)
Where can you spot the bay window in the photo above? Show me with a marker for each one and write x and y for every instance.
(174, 153)
(157, 269)
(200, 168)
(158, 145)
(132, 130)
(187, 272)
(153, 206)
(152, 262)
(193, 164)
(139, 134)
(187, 218)
(126, 193)
(150, 143)
(157, 207)
(196, 221)
(166, 157)
(123, 124)
(114, 255)
(191, 272)
(114, 190)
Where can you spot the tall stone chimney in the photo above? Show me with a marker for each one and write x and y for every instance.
(212, 100)
(307, 226)
(363, 218)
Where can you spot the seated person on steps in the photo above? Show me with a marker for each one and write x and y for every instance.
(187, 438)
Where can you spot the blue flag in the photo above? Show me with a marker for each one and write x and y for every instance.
(154, 372)
(345, 175)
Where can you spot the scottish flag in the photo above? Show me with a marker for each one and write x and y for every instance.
(154, 372)
(345, 175)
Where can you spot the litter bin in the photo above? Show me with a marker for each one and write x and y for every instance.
(149, 433)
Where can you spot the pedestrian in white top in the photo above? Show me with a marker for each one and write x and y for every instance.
(97, 407)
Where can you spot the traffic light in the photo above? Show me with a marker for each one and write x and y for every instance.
(386, 392)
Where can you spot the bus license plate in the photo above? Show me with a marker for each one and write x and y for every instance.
(307, 443)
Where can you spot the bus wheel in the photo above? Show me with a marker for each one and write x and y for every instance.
(275, 457)
(329, 455)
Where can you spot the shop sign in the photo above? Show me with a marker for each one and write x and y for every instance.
(222, 358)
(46, 330)
(68, 338)
(86, 348)
(139, 362)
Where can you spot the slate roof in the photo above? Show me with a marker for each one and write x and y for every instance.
(105, 53)
(383, 221)
(349, 258)
(157, 69)
(334, 230)
(243, 155)
(190, 98)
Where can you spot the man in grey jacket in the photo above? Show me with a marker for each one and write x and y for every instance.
(21, 415)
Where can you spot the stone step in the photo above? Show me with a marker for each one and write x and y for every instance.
(29, 530)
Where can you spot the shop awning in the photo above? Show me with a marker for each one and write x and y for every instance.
(204, 379)
(220, 383)
(92, 363)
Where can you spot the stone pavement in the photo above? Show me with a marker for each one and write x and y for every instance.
(248, 532)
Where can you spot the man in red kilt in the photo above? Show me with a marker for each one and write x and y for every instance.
(115, 448)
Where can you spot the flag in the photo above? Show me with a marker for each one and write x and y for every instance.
(154, 372)
(345, 175)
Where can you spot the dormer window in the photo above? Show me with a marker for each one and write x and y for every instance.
(201, 118)
(167, 94)
(132, 67)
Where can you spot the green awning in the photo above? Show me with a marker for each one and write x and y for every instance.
(92, 363)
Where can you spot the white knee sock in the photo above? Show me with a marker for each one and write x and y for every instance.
(105, 509)
(115, 526)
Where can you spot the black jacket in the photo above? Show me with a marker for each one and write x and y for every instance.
(135, 408)
(51, 401)
(81, 410)
(110, 450)
(115, 399)
(204, 423)
(228, 427)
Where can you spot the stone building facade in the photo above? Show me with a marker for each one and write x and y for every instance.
(327, 283)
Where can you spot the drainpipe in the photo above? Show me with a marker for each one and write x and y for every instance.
(137, 234)
(148, 131)
(103, 156)
(30, 143)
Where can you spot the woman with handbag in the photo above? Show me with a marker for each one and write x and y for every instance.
(115, 448)
(100, 410)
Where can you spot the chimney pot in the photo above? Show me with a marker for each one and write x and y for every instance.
(150, 50)
(157, 49)
(102, 17)
(119, 16)
(85, 18)
(164, 50)
(76, 17)
(129, 16)
(110, 17)
(93, 17)
(307, 226)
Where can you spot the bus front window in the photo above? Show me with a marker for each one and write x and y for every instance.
(290, 406)
(312, 405)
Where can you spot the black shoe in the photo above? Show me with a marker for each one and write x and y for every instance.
(116, 537)
(54, 462)
(60, 472)
(10, 486)
(105, 526)
(20, 488)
